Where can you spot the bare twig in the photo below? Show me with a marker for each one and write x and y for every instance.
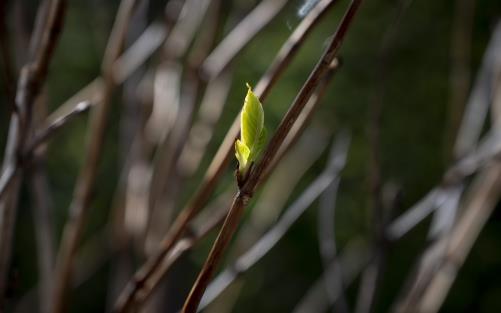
(49, 130)
(467, 138)
(182, 99)
(271, 202)
(199, 229)
(459, 76)
(306, 114)
(478, 102)
(42, 213)
(352, 260)
(440, 264)
(201, 133)
(328, 250)
(220, 161)
(224, 200)
(87, 177)
(246, 191)
(436, 270)
(151, 39)
(30, 82)
(485, 197)
(124, 66)
(489, 149)
(336, 163)
(40, 137)
(373, 273)
(131, 123)
(234, 42)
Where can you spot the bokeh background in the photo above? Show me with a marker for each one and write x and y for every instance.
(419, 119)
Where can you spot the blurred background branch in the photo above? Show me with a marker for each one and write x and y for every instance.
(148, 171)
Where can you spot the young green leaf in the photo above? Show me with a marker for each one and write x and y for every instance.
(252, 132)
(242, 153)
(251, 119)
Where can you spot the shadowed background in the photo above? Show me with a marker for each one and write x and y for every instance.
(411, 80)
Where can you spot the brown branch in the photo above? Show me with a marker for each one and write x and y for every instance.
(124, 66)
(197, 231)
(437, 267)
(304, 118)
(86, 180)
(460, 72)
(41, 199)
(352, 260)
(49, 130)
(40, 138)
(124, 302)
(240, 36)
(151, 39)
(337, 160)
(219, 162)
(372, 276)
(93, 255)
(328, 248)
(485, 197)
(488, 150)
(32, 78)
(246, 191)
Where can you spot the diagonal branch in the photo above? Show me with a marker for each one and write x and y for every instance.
(222, 157)
(336, 163)
(245, 193)
(87, 178)
(31, 80)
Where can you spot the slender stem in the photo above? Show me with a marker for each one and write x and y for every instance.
(328, 248)
(245, 193)
(86, 180)
(240, 36)
(49, 130)
(31, 80)
(220, 161)
(335, 165)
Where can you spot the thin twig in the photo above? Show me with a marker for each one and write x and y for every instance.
(438, 265)
(219, 162)
(131, 123)
(166, 182)
(460, 72)
(86, 180)
(124, 66)
(154, 278)
(42, 213)
(489, 149)
(328, 249)
(40, 137)
(462, 238)
(271, 203)
(337, 160)
(132, 58)
(478, 103)
(49, 130)
(246, 191)
(32, 78)
(467, 138)
(241, 34)
(199, 229)
(352, 260)
(372, 276)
